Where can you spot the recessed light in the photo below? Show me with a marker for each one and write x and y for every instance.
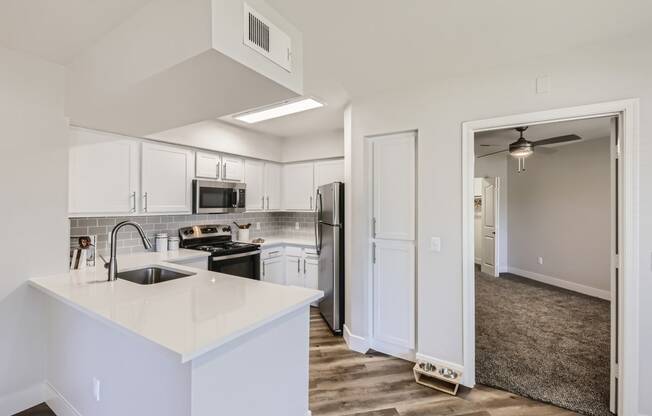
(279, 110)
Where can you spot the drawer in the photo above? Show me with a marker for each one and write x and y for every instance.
(293, 251)
(271, 253)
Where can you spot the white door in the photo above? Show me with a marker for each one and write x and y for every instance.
(298, 186)
(166, 178)
(207, 165)
(393, 247)
(102, 174)
(293, 274)
(274, 270)
(254, 179)
(329, 171)
(232, 169)
(273, 199)
(490, 235)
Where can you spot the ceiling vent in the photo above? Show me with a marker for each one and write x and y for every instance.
(266, 39)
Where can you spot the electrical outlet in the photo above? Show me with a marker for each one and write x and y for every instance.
(540, 260)
(296, 226)
(96, 389)
(543, 84)
(258, 226)
(435, 244)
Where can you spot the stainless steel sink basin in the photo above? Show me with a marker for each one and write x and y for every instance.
(152, 275)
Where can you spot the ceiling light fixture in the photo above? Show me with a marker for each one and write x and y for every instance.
(279, 110)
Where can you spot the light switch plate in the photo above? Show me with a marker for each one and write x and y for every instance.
(435, 244)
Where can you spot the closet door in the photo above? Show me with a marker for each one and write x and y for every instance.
(393, 246)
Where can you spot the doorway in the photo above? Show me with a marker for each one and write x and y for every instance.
(625, 359)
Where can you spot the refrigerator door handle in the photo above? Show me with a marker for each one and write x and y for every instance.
(317, 225)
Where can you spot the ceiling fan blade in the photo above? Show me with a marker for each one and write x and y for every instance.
(546, 150)
(493, 153)
(555, 140)
(490, 145)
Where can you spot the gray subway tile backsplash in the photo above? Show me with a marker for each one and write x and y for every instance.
(271, 224)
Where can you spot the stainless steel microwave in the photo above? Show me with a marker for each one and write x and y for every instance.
(211, 197)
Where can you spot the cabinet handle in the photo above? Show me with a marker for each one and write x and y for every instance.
(146, 203)
(373, 253)
(262, 199)
(298, 265)
(263, 269)
(267, 202)
(217, 173)
(133, 207)
(311, 202)
(304, 266)
(223, 171)
(373, 227)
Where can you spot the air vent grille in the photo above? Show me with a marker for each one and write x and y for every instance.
(258, 32)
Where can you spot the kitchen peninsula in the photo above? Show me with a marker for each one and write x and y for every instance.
(206, 344)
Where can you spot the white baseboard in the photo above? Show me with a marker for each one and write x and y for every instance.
(443, 363)
(59, 405)
(355, 342)
(575, 287)
(24, 399)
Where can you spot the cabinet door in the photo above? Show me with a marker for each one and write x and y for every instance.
(393, 289)
(298, 186)
(166, 178)
(293, 274)
(102, 173)
(329, 171)
(274, 270)
(273, 186)
(232, 169)
(253, 177)
(207, 165)
(310, 271)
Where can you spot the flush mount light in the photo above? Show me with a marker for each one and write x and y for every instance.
(278, 110)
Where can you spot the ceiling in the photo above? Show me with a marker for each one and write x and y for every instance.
(356, 48)
(59, 30)
(588, 129)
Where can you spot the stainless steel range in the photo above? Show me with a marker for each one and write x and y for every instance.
(227, 256)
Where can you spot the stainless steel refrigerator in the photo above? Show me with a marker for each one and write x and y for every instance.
(329, 236)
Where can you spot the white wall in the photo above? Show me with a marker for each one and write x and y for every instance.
(496, 166)
(222, 137)
(560, 209)
(316, 146)
(586, 75)
(34, 180)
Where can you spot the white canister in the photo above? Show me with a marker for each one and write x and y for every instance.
(161, 242)
(243, 234)
(173, 243)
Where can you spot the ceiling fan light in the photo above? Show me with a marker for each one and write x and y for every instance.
(521, 151)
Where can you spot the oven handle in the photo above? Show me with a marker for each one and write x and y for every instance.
(235, 256)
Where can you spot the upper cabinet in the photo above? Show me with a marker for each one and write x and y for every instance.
(253, 176)
(166, 178)
(232, 169)
(298, 186)
(329, 171)
(102, 174)
(273, 193)
(207, 165)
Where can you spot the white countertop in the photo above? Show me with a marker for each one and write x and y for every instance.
(304, 241)
(189, 316)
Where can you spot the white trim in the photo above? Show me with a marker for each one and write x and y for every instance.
(59, 405)
(24, 399)
(355, 342)
(442, 363)
(628, 110)
(565, 284)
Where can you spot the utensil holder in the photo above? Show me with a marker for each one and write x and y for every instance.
(243, 234)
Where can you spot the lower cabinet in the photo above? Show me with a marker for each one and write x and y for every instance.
(290, 265)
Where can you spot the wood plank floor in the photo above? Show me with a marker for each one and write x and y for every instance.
(343, 382)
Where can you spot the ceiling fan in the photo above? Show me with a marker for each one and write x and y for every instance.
(523, 148)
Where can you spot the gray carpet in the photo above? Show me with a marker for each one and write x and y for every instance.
(543, 342)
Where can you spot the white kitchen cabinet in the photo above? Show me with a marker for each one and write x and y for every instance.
(273, 179)
(293, 272)
(207, 165)
(232, 169)
(329, 171)
(102, 173)
(255, 181)
(298, 186)
(273, 270)
(311, 270)
(166, 178)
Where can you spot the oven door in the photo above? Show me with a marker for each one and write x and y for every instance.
(209, 197)
(241, 264)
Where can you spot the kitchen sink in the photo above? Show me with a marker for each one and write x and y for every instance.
(152, 275)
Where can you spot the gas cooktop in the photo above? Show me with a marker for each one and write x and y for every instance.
(215, 239)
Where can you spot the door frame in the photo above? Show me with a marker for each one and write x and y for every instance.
(628, 113)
